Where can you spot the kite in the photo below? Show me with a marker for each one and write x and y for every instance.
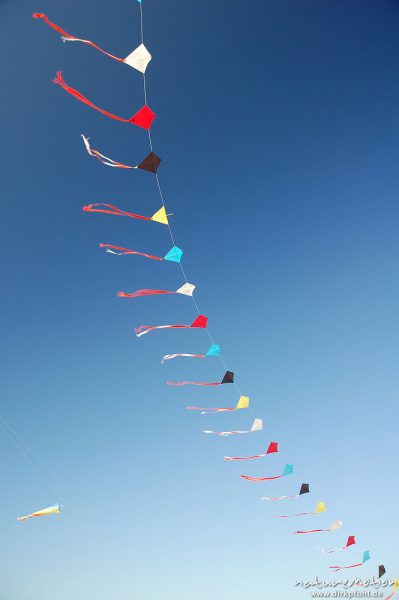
(51, 510)
(138, 59)
(366, 557)
(159, 217)
(395, 588)
(227, 378)
(273, 447)
(200, 322)
(351, 541)
(143, 118)
(214, 350)
(257, 425)
(381, 571)
(186, 290)
(150, 163)
(174, 254)
(334, 527)
(243, 402)
(320, 508)
(304, 490)
(288, 470)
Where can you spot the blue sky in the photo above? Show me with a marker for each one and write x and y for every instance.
(277, 125)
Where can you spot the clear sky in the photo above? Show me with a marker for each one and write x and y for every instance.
(277, 125)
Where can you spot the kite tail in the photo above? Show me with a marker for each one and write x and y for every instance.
(51, 24)
(201, 383)
(141, 293)
(109, 162)
(59, 80)
(236, 458)
(279, 497)
(93, 45)
(67, 37)
(205, 411)
(22, 519)
(258, 479)
(297, 515)
(110, 209)
(171, 356)
(336, 568)
(225, 433)
(105, 160)
(143, 329)
(110, 248)
(312, 531)
(335, 550)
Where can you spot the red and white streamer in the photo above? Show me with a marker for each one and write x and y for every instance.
(336, 568)
(211, 411)
(110, 209)
(141, 293)
(105, 160)
(350, 542)
(260, 479)
(199, 383)
(227, 378)
(313, 531)
(67, 36)
(280, 497)
(256, 426)
(296, 515)
(185, 290)
(120, 251)
(226, 433)
(183, 355)
(200, 322)
(334, 527)
(144, 329)
(273, 447)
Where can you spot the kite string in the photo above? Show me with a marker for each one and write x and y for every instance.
(5, 427)
(168, 224)
(142, 41)
(36, 462)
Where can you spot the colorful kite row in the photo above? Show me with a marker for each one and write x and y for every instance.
(143, 118)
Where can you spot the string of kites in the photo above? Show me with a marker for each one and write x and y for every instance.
(139, 59)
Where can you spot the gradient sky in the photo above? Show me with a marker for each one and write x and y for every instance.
(277, 123)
